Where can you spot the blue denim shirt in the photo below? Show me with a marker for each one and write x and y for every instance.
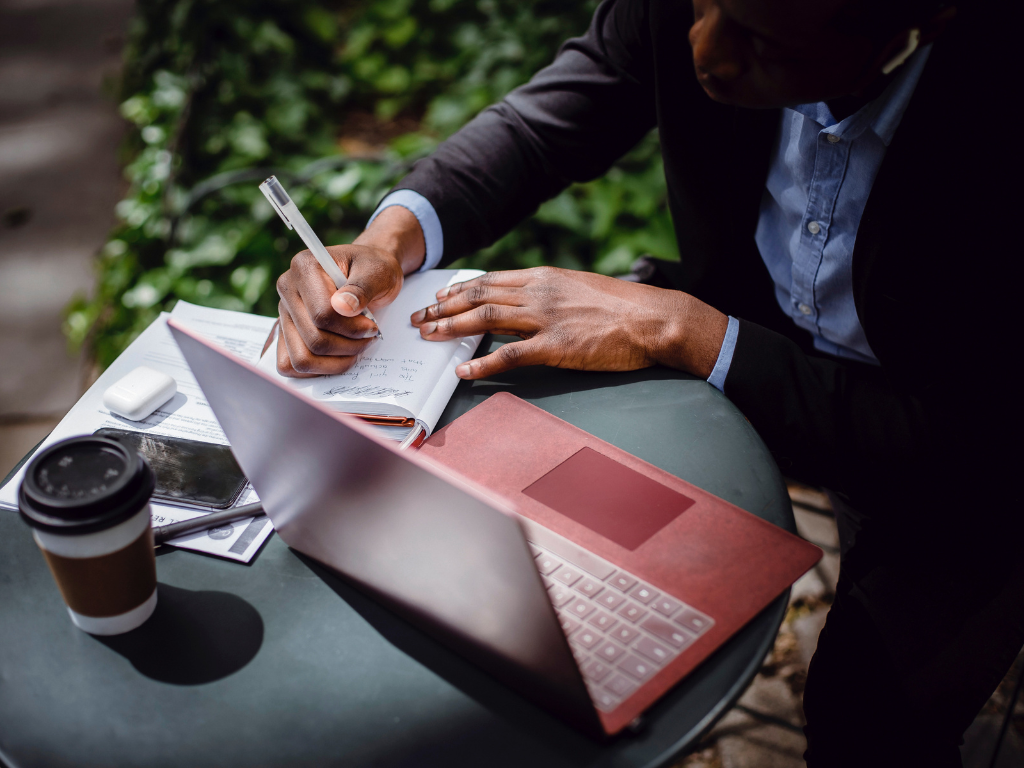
(820, 176)
(819, 179)
(430, 223)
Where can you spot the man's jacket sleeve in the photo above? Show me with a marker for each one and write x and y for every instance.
(841, 425)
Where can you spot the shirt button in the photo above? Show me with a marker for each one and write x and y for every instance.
(804, 309)
(832, 138)
(813, 228)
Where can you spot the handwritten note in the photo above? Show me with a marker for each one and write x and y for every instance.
(400, 375)
(367, 392)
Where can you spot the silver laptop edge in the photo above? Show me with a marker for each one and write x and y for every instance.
(430, 544)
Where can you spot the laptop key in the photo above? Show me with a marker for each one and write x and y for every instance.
(622, 581)
(621, 685)
(588, 638)
(571, 553)
(595, 671)
(603, 621)
(589, 587)
(665, 605)
(569, 624)
(693, 620)
(624, 634)
(567, 575)
(560, 595)
(546, 564)
(611, 600)
(639, 668)
(605, 700)
(632, 612)
(643, 593)
(675, 637)
(609, 651)
(652, 650)
(579, 608)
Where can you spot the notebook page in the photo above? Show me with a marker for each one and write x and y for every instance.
(446, 385)
(399, 375)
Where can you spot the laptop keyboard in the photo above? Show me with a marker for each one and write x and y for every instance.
(621, 630)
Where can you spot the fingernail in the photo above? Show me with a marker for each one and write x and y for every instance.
(443, 293)
(370, 333)
(428, 328)
(462, 371)
(417, 317)
(349, 299)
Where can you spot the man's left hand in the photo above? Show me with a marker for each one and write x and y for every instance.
(579, 320)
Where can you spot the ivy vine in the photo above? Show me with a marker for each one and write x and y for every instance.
(338, 99)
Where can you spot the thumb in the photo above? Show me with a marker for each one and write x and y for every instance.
(372, 276)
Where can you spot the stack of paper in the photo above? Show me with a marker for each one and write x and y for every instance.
(186, 415)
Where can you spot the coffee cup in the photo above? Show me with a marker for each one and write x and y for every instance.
(87, 501)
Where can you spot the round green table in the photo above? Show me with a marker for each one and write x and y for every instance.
(282, 663)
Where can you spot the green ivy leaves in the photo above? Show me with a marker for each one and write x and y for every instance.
(220, 95)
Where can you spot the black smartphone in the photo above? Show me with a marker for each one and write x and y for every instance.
(187, 471)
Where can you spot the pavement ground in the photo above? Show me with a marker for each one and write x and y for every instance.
(59, 181)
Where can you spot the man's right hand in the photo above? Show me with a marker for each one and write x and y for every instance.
(322, 329)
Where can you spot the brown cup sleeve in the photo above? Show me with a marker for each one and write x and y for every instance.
(110, 584)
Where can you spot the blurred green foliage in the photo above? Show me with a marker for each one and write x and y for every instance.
(222, 94)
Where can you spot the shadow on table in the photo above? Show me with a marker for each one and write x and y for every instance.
(192, 637)
(542, 381)
(671, 725)
(572, 747)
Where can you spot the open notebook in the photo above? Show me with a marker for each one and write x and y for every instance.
(402, 376)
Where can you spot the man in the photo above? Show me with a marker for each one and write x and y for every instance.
(836, 178)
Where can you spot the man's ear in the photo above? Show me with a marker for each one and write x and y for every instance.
(913, 40)
(903, 45)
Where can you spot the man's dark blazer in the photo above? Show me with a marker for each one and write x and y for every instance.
(930, 259)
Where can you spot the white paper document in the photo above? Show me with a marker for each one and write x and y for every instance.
(186, 415)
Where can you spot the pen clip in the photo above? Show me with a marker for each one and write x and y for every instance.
(272, 189)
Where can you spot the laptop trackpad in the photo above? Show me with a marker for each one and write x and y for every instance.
(609, 498)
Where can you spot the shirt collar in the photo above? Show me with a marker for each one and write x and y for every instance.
(894, 100)
(883, 114)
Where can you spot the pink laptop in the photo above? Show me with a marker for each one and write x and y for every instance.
(587, 580)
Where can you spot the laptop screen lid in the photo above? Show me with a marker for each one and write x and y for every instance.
(434, 546)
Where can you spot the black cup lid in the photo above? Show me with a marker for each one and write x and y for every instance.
(83, 485)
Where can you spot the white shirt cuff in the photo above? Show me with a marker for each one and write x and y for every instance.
(425, 214)
(717, 377)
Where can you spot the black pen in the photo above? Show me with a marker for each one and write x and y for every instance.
(163, 533)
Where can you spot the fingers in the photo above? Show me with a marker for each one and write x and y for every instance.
(322, 328)
(284, 362)
(374, 279)
(505, 358)
(306, 291)
(515, 278)
(495, 318)
(475, 296)
(335, 355)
